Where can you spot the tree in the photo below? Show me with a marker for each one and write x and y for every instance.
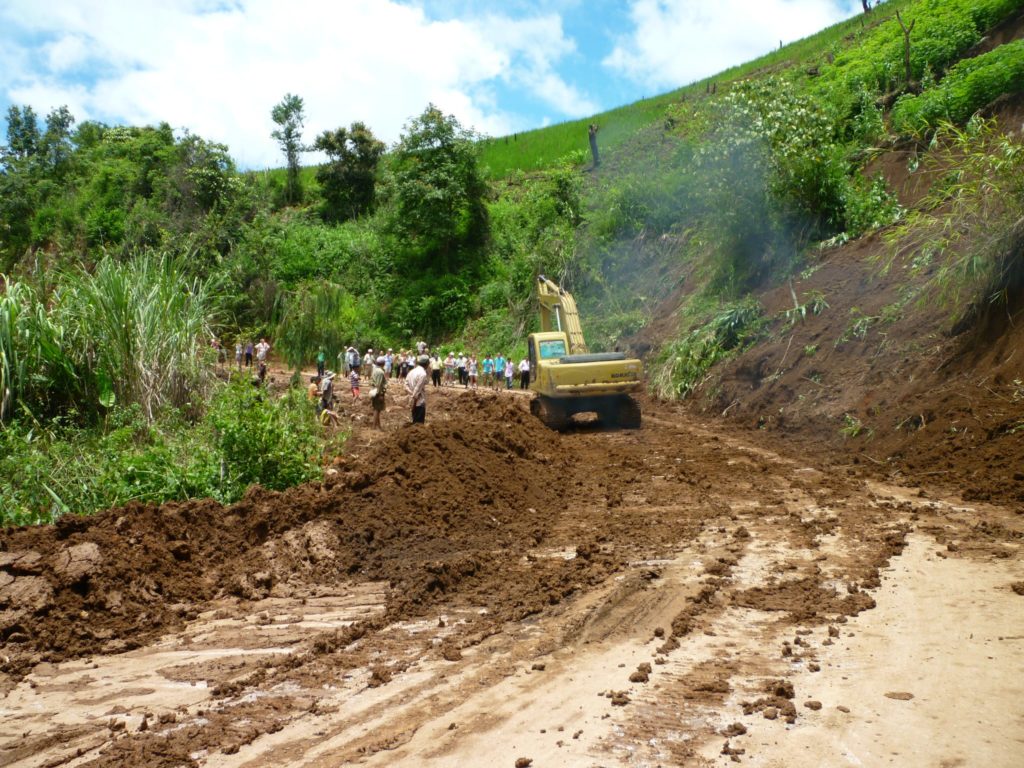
(348, 179)
(56, 145)
(437, 194)
(22, 133)
(289, 115)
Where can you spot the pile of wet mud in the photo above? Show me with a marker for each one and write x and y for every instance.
(449, 507)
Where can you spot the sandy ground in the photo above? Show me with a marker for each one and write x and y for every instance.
(689, 597)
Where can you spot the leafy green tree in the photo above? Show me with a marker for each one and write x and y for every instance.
(22, 133)
(56, 146)
(348, 179)
(437, 192)
(289, 115)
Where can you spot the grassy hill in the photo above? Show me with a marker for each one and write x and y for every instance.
(540, 148)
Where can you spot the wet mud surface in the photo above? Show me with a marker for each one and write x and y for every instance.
(483, 590)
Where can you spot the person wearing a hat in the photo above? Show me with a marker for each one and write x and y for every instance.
(326, 390)
(416, 384)
(325, 409)
(378, 386)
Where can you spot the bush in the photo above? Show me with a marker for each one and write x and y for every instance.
(724, 333)
(273, 442)
(48, 470)
(58, 468)
(944, 30)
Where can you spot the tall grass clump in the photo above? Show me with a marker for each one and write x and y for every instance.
(139, 330)
(711, 338)
(966, 242)
(36, 371)
(323, 315)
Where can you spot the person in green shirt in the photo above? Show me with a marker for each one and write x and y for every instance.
(378, 386)
(321, 362)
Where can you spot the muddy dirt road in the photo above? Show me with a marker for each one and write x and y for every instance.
(484, 592)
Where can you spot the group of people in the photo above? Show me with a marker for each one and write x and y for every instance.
(244, 355)
(450, 370)
(415, 370)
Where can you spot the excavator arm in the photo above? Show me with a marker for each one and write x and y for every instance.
(558, 313)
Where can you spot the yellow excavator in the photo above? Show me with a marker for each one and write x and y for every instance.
(567, 379)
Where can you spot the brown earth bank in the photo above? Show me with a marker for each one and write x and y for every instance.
(482, 590)
(884, 377)
(901, 390)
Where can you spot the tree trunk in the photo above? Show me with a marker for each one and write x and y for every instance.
(906, 46)
(593, 145)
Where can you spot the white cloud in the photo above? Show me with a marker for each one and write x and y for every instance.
(217, 68)
(675, 42)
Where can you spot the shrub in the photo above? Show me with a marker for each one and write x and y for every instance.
(683, 364)
(274, 442)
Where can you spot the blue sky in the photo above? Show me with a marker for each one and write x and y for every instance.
(217, 67)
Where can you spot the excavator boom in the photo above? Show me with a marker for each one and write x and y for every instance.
(558, 313)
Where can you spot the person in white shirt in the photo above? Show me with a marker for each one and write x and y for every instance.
(416, 385)
(261, 351)
(524, 374)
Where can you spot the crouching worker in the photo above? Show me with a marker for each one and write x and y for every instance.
(327, 414)
(378, 386)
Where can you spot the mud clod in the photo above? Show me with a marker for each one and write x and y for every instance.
(899, 695)
(736, 729)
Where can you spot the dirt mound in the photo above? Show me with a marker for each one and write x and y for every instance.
(453, 504)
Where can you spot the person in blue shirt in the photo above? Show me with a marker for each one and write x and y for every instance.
(499, 370)
(488, 367)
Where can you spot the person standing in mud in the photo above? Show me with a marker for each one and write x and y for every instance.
(435, 369)
(248, 354)
(488, 366)
(321, 361)
(416, 385)
(449, 369)
(499, 370)
(378, 386)
(524, 373)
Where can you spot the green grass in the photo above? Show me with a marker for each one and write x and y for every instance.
(543, 147)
